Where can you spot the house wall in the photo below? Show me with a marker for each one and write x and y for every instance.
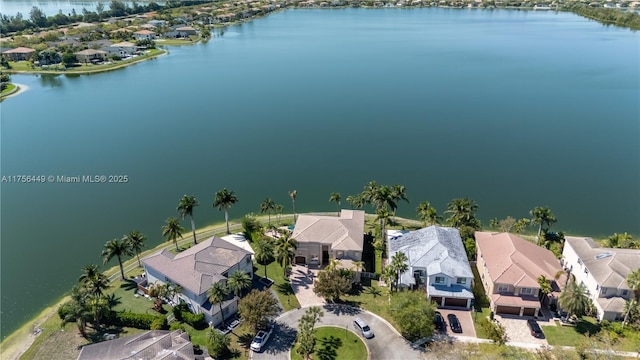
(244, 265)
(572, 261)
(308, 250)
(448, 280)
(487, 281)
(352, 255)
(215, 318)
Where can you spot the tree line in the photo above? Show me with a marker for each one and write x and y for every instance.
(606, 16)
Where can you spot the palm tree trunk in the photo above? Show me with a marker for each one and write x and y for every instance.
(193, 229)
(294, 211)
(175, 241)
(138, 256)
(226, 220)
(539, 232)
(121, 269)
(265, 271)
(221, 313)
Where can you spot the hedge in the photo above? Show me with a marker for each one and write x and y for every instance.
(138, 321)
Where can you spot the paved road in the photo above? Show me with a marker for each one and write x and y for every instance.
(387, 344)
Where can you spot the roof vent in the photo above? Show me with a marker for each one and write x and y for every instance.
(602, 256)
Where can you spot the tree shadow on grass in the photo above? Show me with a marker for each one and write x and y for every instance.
(585, 327)
(375, 292)
(245, 340)
(329, 349)
(128, 284)
(284, 289)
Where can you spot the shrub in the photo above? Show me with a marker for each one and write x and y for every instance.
(195, 320)
(138, 321)
(160, 323)
(176, 326)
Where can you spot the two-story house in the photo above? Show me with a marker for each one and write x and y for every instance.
(604, 273)
(322, 238)
(509, 268)
(196, 270)
(437, 262)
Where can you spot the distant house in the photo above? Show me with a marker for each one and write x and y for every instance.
(186, 31)
(97, 44)
(157, 22)
(19, 53)
(91, 56)
(603, 271)
(153, 344)
(321, 238)
(509, 268)
(438, 263)
(144, 35)
(196, 269)
(121, 49)
(147, 26)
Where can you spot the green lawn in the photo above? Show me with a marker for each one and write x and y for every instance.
(281, 285)
(477, 317)
(127, 301)
(575, 335)
(373, 298)
(335, 344)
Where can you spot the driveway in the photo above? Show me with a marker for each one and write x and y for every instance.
(518, 331)
(387, 344)
(466, 322)
(302, 284)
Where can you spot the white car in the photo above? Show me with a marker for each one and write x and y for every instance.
(261, 339)
(363, 327)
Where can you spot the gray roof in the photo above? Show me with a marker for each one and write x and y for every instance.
(344, 233)
(610, 270)
(437, 249)
(152, 345)
(198, 267)
(452, 291)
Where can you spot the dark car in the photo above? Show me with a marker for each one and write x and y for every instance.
(438, 322)
(454, 323)
(536, 331)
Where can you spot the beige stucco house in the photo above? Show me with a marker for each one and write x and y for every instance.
(321, 238)
(509, 267)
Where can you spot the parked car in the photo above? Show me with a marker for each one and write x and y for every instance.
(454, 323)
(363, 327)
(536, 331)
(439, 323)
(261, 339)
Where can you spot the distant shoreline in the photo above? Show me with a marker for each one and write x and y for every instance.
(19, 89)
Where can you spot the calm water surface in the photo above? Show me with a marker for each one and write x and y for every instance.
(512, 109)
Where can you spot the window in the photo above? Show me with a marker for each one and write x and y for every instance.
(503, 288)
(340, 254)
(248, 259)
(315, 258)
(439, 280)
(461, 281)
(526, 291)
(579, 262)
(625, 292)
(356, 254)
(586, 271)
(604, 291)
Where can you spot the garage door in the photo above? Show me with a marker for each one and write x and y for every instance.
(301, 260)
(455, 302)
(512, 310)
(529, 312)
(437, 300)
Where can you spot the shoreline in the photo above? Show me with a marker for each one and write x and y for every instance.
(20, 88)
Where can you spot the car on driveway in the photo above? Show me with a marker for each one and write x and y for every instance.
(363, 327)
(454, 323)
(535, 329)
(261, 339)
(438, 322)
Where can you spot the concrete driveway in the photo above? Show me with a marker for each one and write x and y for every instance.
(518, 331)
(302, 284)
(466, 322)
(387, 344)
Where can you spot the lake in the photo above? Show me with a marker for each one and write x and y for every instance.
(513, 109)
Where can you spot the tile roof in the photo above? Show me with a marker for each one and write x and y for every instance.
(198, 267)
(609, 271)
(613, 304)
(511, 300)
(342, 233)
(438, 249)
(20, 50)
(124, 44)
(516, 261)
(151, 345)
(90, 52)
(144, 32)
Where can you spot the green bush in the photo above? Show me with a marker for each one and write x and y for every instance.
(177, 326)
(134, 320)
(195, 320)
(160, 323)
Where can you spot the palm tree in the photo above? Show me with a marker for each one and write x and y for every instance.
(116, 248)
(335, 197)
(463, 213)
(633, 281)
(285, 251)
(238, 282)
(399, 266)
(399, 192)
(356, 201)
(545, 287)
(293, 194)
(185, 207)
(369, 191)
(383, 198)
(279, 208)
(267, 206)
(428, 214)
(95, 283)
(542, 216)
(264, 253)
(135, 239)
(382, 216)
(88, 272)
(173, 230)
(334, 264)
(217, 294)
(79, 313)
(223, 201)
(574, 299)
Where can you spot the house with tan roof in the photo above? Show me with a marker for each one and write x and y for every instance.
(144, 35)
(91, 56)
(509, 268)
(19, 53)
(121, 49)
(321, 238)
(437, 262)
(196, 270)
(603, 271)
(152, 345)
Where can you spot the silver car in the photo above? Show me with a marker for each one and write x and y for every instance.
(363, 327)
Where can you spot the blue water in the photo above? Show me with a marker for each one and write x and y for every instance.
(513, 109)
